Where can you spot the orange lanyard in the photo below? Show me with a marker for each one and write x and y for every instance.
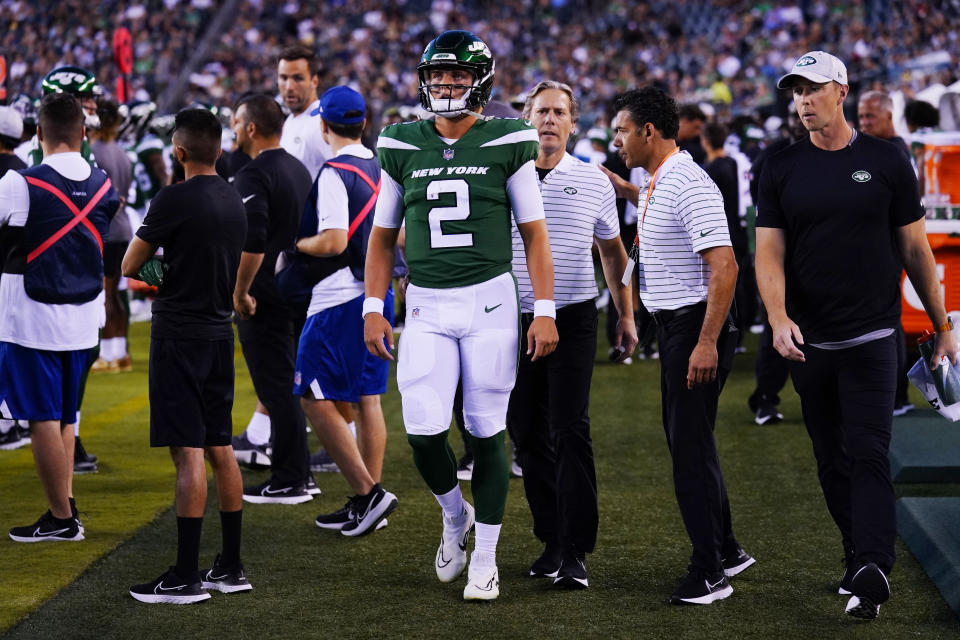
(650, 186)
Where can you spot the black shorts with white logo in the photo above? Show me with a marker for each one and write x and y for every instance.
(191, 392)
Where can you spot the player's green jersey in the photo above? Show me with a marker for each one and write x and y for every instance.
(148, 183)
(36, 152)
(455, 199)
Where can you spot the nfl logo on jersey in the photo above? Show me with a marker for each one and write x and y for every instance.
(448, 154)
(416, 312)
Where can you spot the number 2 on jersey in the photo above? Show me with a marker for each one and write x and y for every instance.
(460, 211)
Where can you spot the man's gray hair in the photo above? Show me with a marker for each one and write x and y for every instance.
(552, 84)
(883, 99)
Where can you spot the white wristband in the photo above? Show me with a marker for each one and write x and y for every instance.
(372, 305)
(544, 308)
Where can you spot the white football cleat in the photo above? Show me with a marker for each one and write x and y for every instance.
(452, 552)
(483, 580)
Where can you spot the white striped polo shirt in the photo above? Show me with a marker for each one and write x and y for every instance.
(579, 203)
(684, 217)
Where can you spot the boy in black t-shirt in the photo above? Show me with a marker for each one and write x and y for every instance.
(201, 225)
(838, 214)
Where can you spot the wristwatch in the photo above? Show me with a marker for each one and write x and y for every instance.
(947, 326)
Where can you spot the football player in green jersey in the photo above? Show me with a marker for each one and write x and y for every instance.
(454, 182)
(82, 84)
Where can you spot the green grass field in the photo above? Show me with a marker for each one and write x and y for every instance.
(313, 583)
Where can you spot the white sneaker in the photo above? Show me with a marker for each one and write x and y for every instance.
(483, 581)
(452, 552)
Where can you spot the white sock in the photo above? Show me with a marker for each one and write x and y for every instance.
(258, 429)
(6, 425)
(486, 536)
(120, 347)
(353, 429)
(106, 349)
(452, 503)
(76, 425)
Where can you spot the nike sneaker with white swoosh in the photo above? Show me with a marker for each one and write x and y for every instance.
(226, 579)
(452, 553)
(483, 580)
(49, 529)
(548, 564)
(369, 510)
(170, 589)
(700, 588)
(272, 493)
(736, 562)
(573, 570)
(870, 589)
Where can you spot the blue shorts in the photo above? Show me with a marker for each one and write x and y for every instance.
(333, 362)
(41, 385)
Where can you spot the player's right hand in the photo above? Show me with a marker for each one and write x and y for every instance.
(786, 337)
(542, 337)
(378, 335)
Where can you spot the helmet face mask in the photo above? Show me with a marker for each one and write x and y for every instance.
(452, 51)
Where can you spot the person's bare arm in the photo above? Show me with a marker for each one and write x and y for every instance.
(613, 258)
(921, 268)
(623, 188)
(376, 279)
(542, 337)
(702, 366)
(771, 282)
(330, 242)
(245, 304)
(138, 252)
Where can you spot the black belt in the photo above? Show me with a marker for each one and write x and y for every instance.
(662, 318)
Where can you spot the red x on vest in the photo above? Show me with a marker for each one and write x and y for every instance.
(373, 198)
(78, 215)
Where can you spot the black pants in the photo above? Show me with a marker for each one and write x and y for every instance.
(847, 401)
(688, 420)
(549, 422)
(772, 371)
(269, 342)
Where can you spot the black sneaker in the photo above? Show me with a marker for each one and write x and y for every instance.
(171, 589)
(849, 568)
(573, 570)
(869, 588)
(768, 414)
(254, 456)
(465, 468)
(700, 588)
(83, 462)
(736, 562)
(369, 510)
(311, 486)
(270, 493)
(548, 564)
(48, 529)
(338, 519)
(226, 579)
(321, 462)
(76, 515)
(12, 439)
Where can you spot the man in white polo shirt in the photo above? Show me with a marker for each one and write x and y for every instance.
(548, 412)
(298, 76)
(687, 275)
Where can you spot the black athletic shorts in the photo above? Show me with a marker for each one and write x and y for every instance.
(191, 392)
(113, 257)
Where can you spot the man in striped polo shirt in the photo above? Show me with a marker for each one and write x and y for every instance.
(687, 274)
(548, 413)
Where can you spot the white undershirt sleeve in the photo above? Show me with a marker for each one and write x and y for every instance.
(523, 189)
(333, 203)
(14, 200)
(389, 211)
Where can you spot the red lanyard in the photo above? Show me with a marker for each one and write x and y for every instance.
(650, 186)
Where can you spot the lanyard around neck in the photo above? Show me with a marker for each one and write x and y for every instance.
(650, 186)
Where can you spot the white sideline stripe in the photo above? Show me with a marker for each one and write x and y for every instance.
(384, 142)
(527, 135)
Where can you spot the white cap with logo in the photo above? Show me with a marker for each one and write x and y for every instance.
(11, 124)
(816, 66)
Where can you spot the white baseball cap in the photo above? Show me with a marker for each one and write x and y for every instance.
(816, 66)
(11, 124)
